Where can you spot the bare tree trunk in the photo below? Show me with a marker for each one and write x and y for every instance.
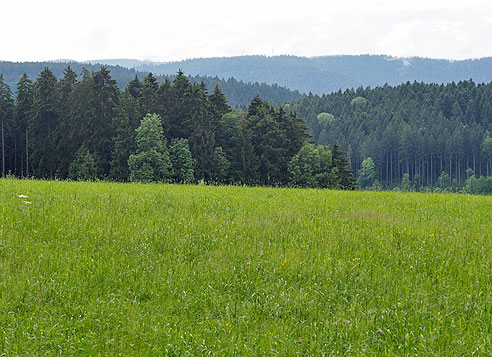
(391, 166)
(27, 155)
(15, 156)
(431, 172)
(3, 153)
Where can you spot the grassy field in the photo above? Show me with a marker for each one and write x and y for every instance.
(103, 268)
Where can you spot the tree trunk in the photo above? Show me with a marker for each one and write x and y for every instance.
(15, 157)
(431, 172)
(27, 155)
(3, 153)
(391, 167)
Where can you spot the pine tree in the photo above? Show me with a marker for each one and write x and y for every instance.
(134, 87)
(64, 143)
(23, 110)
(201, 138)
(125, 122)
(93, 106)
(179, 118)
(269, 142)
(340, 163)
(42, 126)
(6, 124)
(148, 94)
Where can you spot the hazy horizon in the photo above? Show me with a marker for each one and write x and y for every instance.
(168, 32)
(147, 60)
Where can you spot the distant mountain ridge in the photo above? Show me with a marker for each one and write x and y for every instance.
(324, 74)
(237, 92)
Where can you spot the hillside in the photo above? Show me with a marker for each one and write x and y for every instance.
(415, 128)
(326, 74)
(238, 93)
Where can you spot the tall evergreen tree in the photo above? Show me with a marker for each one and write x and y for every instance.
(340, 164)
(134, 87)
(6, 124)
(64, 143)
(94, 100)
(23, 110)
(125, 123)
(202, 138)
(148, 94)
(179, 118)
(42, 125)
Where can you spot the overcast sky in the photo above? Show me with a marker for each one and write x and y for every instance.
(174, 30)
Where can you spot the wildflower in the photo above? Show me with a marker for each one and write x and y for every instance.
(388, 330)
(22, 196)
(36, 300)
(334, 323)
(346, 321)
(228, 325)
(379, 330)
(300, 340)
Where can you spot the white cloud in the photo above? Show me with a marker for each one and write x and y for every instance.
(51, 29)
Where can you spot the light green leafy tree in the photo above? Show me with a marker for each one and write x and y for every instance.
(406, 184)
(367, 174)
(151, 162)
(182, 161)
(83, 167)
(444, 181)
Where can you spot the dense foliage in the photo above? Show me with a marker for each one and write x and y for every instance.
(238, 93)
(423, 130)
(86, 129)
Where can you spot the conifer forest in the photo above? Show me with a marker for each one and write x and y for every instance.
(414, 136)
(85, 128)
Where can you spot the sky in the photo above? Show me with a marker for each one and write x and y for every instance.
(36, 30)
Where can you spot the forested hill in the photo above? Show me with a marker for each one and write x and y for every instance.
(326, 74)
(237, 92)
(418, 129)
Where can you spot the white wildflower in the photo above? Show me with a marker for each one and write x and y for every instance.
(22, 196)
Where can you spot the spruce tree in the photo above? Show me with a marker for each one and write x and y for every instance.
(148, 94)
(6, 125)
(42, 125)
(64, 143)
(23, 110)
(346, 180)
(125, 122)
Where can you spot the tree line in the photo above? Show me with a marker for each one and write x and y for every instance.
(237, 92)
(428, 132)
(84, 127)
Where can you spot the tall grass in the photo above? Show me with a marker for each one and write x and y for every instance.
(165, 269)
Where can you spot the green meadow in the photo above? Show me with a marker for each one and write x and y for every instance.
(130, 269)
